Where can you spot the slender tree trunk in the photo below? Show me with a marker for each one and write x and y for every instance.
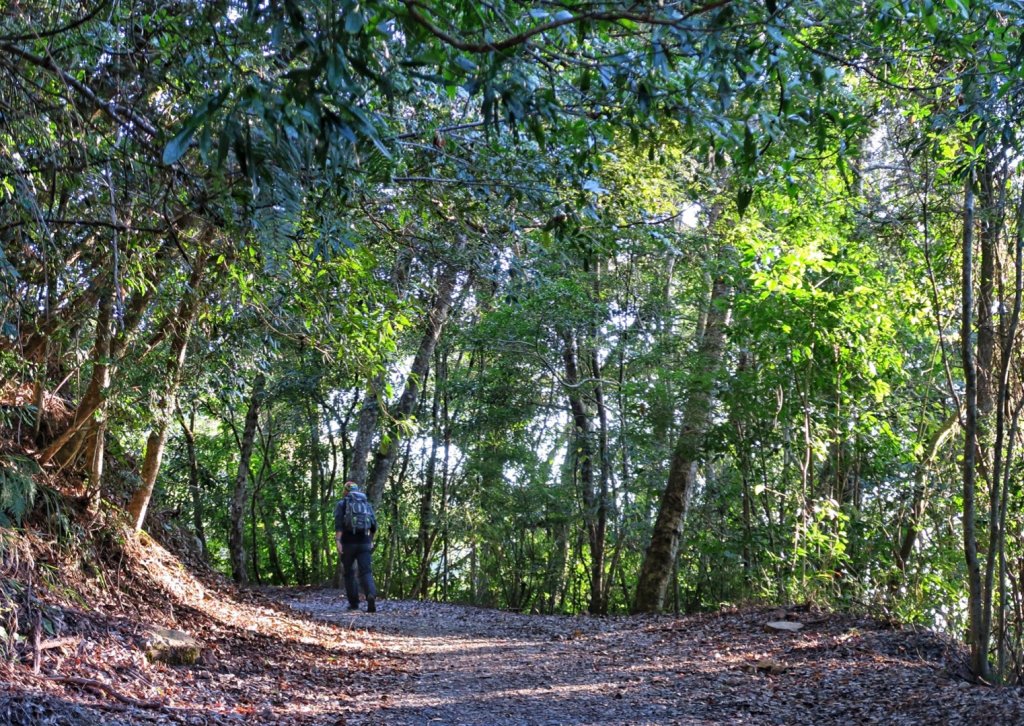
(427, 531)
(978, 635)
(181, 324)
(369, 413)
(99, 381)
(582, 446)
(266, 441)
(113, 350)
(254, 552)
(1009, 338)
(1003, 456)
(188, 429)
(298, 564)
(656, 572)
(556, 566)
(315, 499)
(328, 476)
(989, 216)
(603, 478)
(273, 557)
(917, 507)
(94, 434)
(396, 530)
(436, 319)
(604, 471)
(236, 535)
(446, 480)
(97, 447)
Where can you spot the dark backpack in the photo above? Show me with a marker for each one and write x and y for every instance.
(358, 516)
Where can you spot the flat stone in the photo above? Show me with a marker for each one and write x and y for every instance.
(778, 626)
(174, 647)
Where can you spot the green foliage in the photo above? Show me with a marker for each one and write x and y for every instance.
(18, 489)
(586, 173)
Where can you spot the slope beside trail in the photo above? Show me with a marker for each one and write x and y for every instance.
(464, 665)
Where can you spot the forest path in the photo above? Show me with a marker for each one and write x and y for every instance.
(462, 665)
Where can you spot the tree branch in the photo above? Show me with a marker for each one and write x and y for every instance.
(413, 6)
(119, 113)
(76, 23)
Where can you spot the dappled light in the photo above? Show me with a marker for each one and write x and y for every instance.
(391, 361)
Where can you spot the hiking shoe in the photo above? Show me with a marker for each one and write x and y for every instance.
(371, 605)
(353, 606)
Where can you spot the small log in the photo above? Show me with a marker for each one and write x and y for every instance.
(49, 645)
(59, 642)
(37, 636)
(105, 688)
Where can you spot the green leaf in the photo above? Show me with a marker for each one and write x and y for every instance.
(354, 22)
(749, 147)
(177, 146)
(743, 197)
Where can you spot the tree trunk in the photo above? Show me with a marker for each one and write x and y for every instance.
(369, 413)
(181, 325)
(266, 440)
(603, 478)
(989, 216)
(657, 570)
(113, 349)
(446, 479)
(977, 633)
(99, 381)
(276, 571)
(427, 532)
(917, 507)
(298, 564)
(97, 439)
(95, 433)
(236, 535)
(1006, 434)
(195, 492)
(395, 531)
(316, 475)
(436, 319)
(595, 513)
(254, 557)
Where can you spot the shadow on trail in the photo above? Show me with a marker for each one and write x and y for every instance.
(471, 667)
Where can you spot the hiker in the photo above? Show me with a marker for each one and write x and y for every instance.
(354, 527)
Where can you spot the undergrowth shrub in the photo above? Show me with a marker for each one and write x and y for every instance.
(18, 489)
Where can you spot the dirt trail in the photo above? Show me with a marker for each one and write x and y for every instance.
(474, 666)
(463, 666)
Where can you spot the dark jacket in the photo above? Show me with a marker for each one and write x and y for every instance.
(347, 537)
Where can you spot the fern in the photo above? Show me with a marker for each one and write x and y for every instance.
(17, 489)
(13, 416)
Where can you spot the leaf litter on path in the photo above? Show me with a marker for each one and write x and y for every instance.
(471, 666)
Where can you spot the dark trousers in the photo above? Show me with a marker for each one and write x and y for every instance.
(351, 556)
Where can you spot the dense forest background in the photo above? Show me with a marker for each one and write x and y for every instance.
(610, 306)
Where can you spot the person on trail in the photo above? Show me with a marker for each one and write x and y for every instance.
(354, 528)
